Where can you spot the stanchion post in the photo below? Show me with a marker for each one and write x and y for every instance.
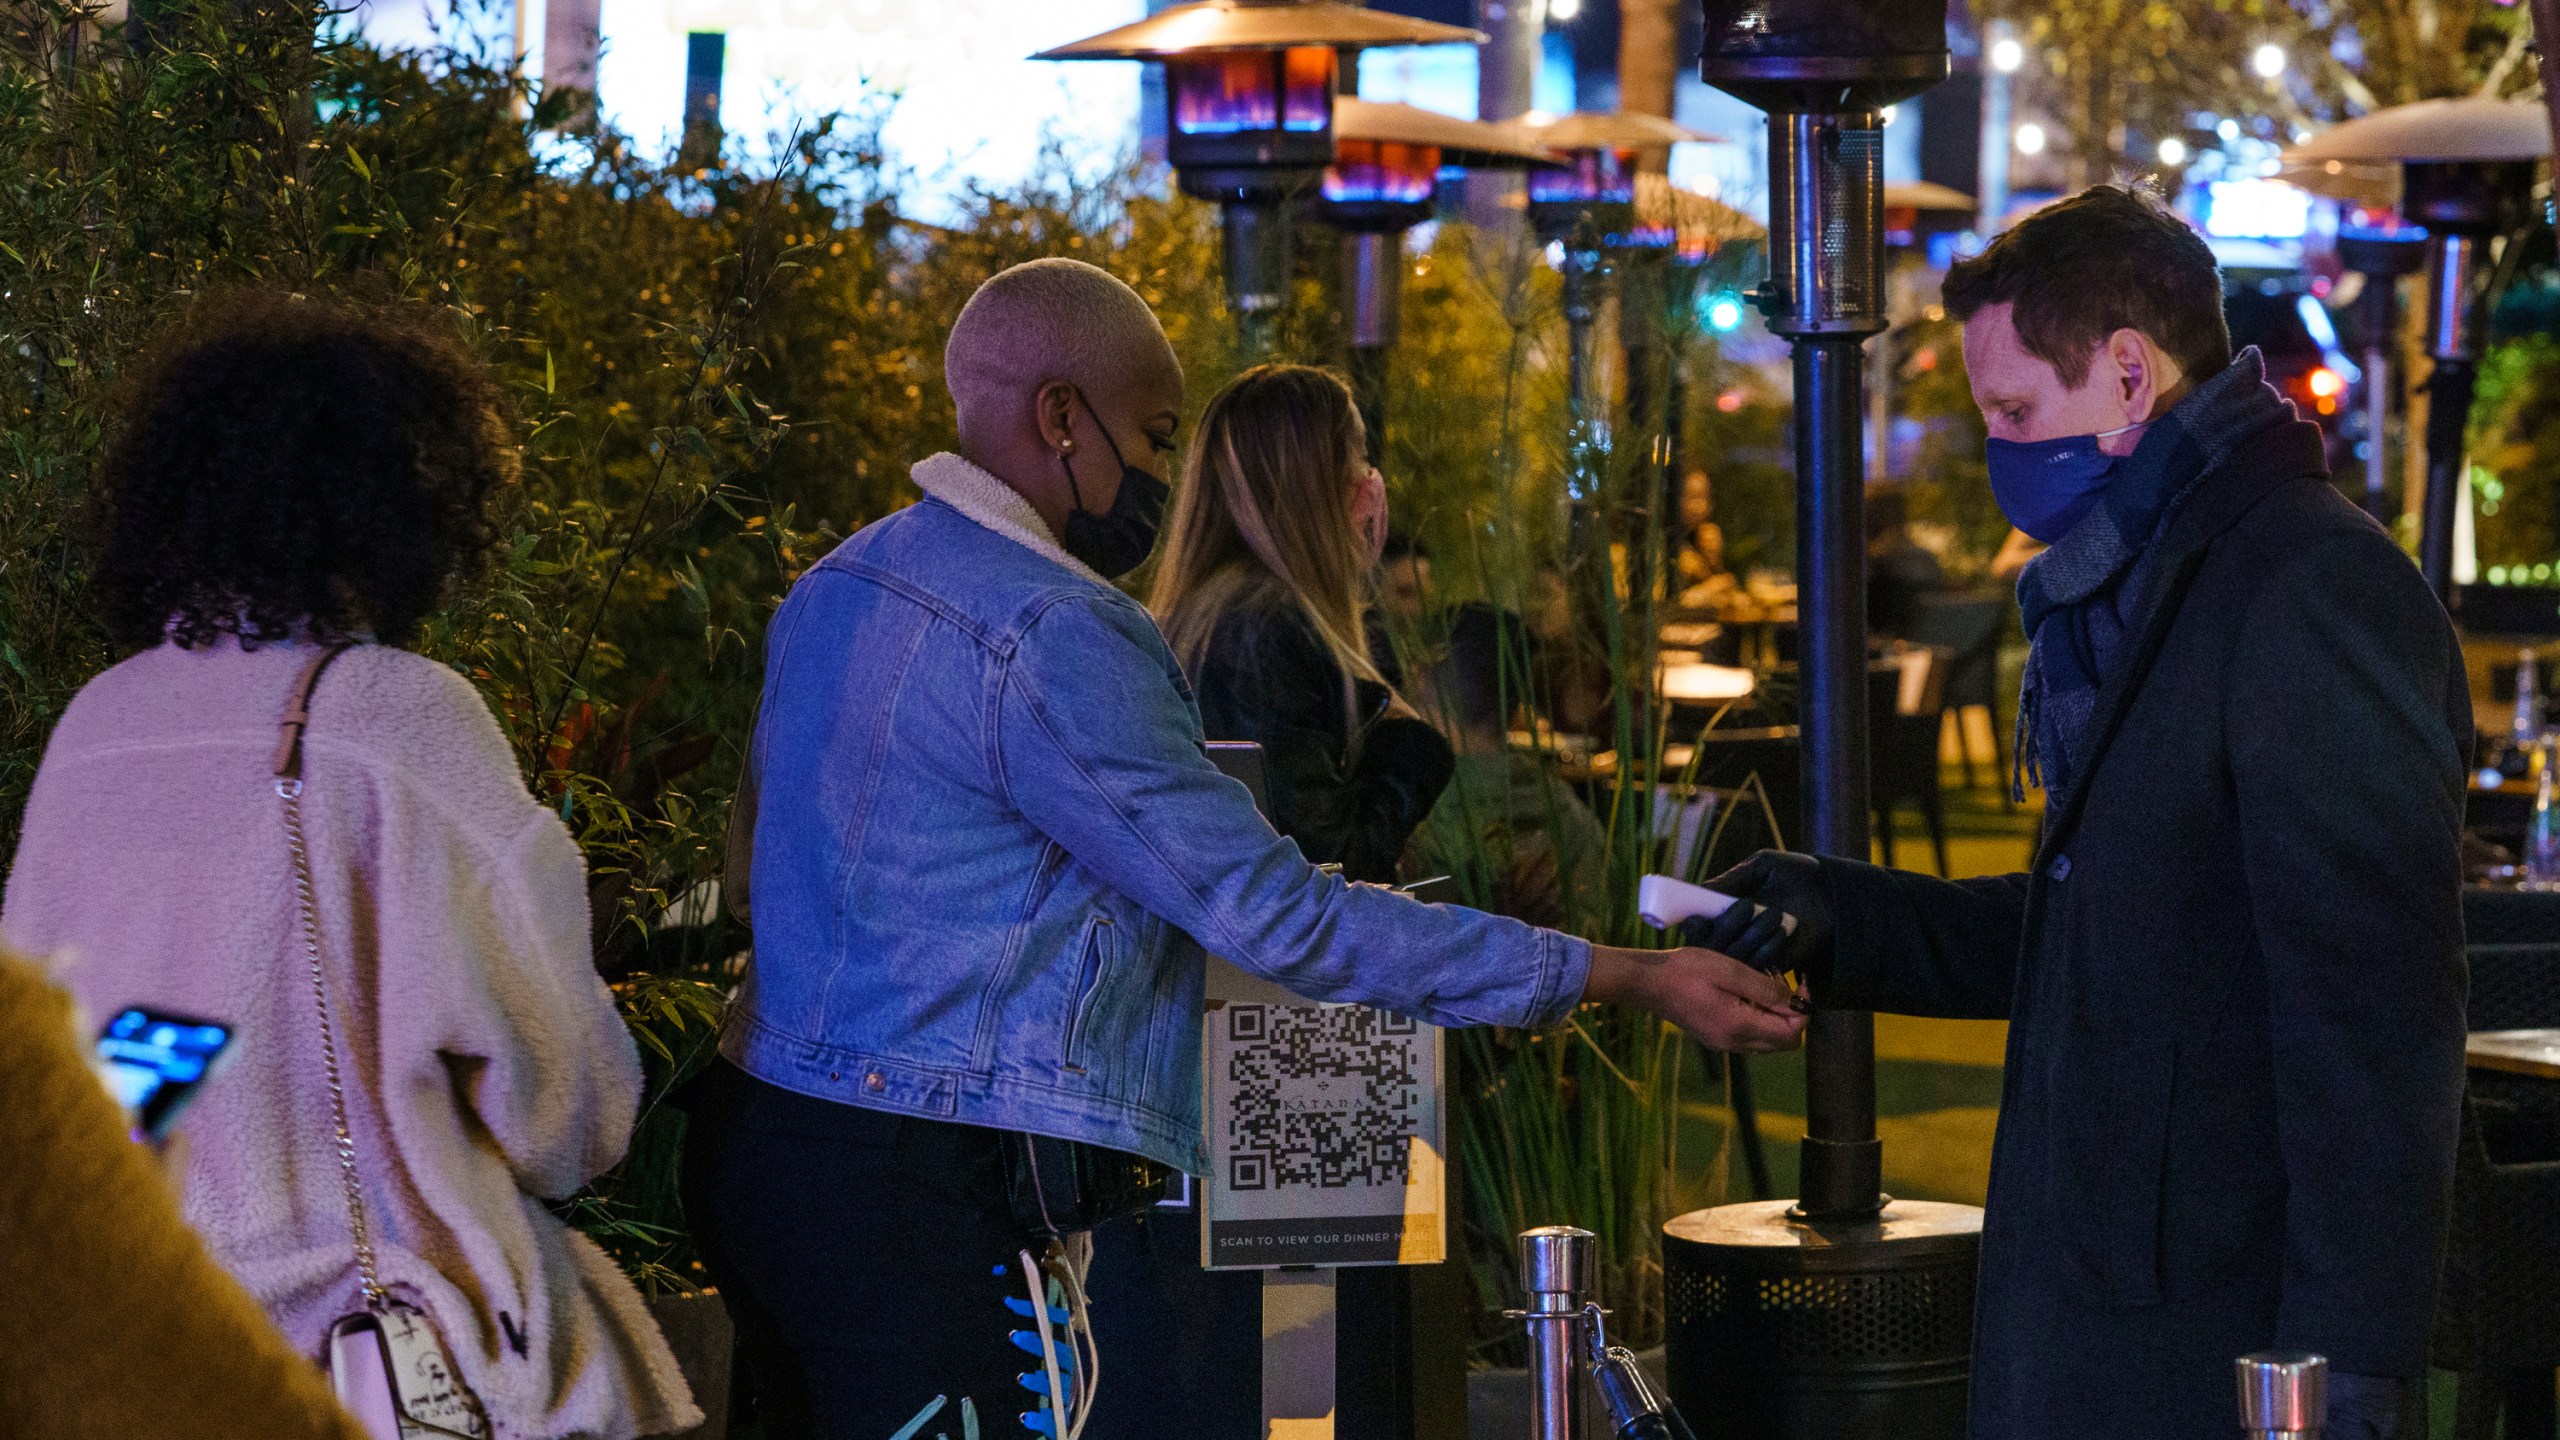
(1556, 1275)
(2283, 1395)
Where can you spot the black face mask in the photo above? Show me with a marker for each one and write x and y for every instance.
(1119, 540)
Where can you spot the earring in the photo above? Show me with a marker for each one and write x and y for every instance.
(1066, 447)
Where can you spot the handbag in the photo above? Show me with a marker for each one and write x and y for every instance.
(1060, 1187)
(387, 1364)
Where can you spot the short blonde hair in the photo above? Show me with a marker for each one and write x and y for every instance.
(1047, 320)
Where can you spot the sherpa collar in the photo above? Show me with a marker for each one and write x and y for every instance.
(978, 494)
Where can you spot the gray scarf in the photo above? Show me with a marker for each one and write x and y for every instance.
(2083, 601)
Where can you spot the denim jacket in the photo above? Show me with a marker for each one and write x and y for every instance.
(988, 848)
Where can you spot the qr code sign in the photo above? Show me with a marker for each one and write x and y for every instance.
(1323, 1097)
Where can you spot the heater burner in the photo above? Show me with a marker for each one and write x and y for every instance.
(1225, 92)
(1381, 172)
(1779, 1327)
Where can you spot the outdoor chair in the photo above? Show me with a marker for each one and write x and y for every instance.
(2497, 1327)
(1904, 717)
(1971, 627)
(2512, 917)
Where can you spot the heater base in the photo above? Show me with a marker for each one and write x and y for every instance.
(1786, 1329)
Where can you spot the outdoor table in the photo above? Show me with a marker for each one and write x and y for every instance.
(2517, 1052)
(1701, 683)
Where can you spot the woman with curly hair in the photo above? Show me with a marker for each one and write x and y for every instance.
(288, 477)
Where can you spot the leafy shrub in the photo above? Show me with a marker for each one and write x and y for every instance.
(723, 370)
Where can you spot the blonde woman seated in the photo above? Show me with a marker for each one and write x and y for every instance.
(1261, 595)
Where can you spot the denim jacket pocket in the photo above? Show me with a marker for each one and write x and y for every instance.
(1092, 968)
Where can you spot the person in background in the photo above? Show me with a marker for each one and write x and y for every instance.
(1700, 555)
(1262, 597)
(287, 474)
(1900, 572)
(1404, 583)
(2015, 551)
(115, 1321)
(1508, 822)
(989, 851)
(2233, 975)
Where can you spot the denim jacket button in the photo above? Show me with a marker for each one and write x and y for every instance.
(873, 1083)
(2060, 869)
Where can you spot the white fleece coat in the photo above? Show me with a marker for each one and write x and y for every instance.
(485, 1063)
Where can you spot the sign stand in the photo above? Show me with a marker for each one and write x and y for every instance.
(1327, 1136)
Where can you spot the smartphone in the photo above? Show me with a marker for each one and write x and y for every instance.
(156, 1062)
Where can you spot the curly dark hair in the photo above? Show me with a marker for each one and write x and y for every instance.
(288, 465)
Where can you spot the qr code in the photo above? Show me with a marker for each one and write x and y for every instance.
(1322, 1097)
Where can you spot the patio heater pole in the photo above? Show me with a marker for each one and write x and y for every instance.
(1587, 207)
(1383, 181)
(1373, 276)
(1872, 1344)
(2466, 175)
(1825, 294)
(1250, 90)
(2381, 254)
(2463, 205)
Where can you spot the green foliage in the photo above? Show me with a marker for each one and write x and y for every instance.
(720, 370)
(2515, 453)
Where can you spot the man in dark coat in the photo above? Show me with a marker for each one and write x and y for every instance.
(2234, 974)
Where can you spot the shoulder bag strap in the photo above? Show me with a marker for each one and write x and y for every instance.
(288, 773)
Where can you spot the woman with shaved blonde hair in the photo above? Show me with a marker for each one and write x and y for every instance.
(1262, 596)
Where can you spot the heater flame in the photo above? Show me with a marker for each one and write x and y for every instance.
(1382, 171)
(1228, 92)
(1596, 177)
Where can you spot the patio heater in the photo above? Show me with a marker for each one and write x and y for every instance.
(2381, 246)
(1660, 258)
(1383, 180)
(2466, 178)
(1249, 95)
(1586, 207)
(2382, 249)
(1847, 1314)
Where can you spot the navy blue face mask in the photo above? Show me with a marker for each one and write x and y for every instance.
(2045, 486)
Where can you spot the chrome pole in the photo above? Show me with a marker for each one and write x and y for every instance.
(2283, 1395)
(2453, 342)
(1556, 1273)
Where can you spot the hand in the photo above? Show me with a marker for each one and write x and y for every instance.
(1776, 883)
(1725, 1004)
(2363, 1407)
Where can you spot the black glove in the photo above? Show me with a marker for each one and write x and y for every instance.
(2364, 1407)
(1775, 884)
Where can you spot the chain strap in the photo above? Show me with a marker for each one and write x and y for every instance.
(289, 790)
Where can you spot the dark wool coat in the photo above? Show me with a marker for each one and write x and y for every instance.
(2234, 981)
(1348, 799)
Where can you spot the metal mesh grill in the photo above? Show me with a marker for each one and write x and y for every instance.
(1816, 1320)
(1826, 224)
(2514, 987)
(1852, 223)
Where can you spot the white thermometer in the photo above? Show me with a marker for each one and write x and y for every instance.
(1663, 903)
